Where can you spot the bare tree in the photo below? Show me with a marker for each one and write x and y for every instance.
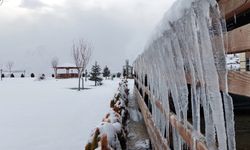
(9, 66)
(81, 54)
(54, 64)
(1, 2)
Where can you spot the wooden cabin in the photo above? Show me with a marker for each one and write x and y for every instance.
(66, 71)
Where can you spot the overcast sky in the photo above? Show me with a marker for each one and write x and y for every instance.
(35, 31)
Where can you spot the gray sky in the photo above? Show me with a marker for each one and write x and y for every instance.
(35, 31)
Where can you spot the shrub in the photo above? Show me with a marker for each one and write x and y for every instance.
(12, 75)
(52, 75)
(2, 76)
(41, 77)
(122, 139)
(22, 75)
(112, 104)
(104, 142)
(118, 75)
(32, 75)
(95, 141)
(88, 146)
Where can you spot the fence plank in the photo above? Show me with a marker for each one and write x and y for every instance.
(238, 40)
(232, 7)
(239, 83)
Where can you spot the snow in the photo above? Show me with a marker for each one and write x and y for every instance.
(67, 65)
(233, 62)
(142, 144)
(111, 132)
(39, 115)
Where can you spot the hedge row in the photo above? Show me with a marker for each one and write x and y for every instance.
(111, 133)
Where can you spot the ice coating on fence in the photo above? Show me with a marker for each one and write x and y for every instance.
(186, 56)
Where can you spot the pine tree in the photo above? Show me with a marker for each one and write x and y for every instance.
(106, 72)
(95, 74)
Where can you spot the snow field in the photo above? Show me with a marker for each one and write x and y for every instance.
(39, 115)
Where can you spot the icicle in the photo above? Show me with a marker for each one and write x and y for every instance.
(189, 49)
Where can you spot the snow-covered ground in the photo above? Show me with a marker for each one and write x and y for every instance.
(233, 62)
(48, 115)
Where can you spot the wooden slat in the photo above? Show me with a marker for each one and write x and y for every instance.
(238, 40)
(239, 83)
(185, 133)
(232, 7)
(155, 136)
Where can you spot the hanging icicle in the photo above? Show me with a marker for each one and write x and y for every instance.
(188, 49)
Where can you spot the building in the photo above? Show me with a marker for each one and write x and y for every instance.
(66, 71)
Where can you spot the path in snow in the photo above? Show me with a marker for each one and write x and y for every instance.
(138, 138)
(48, 115)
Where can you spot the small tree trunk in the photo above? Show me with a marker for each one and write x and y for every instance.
(95, 82)
(1, 74)
(83, 83)
(56, 73)
(79, 81)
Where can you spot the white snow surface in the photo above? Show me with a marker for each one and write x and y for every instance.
(48, 115)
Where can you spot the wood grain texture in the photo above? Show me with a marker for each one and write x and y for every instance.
(239, 83)
(233, 7)
(239, 40)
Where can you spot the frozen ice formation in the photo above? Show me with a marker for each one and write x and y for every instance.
(188, 49)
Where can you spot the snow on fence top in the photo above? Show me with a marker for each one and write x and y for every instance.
(189, 49)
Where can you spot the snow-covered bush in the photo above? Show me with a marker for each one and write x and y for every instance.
(111, 133)
(41, 77)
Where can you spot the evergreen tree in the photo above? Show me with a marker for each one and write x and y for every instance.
(118, 75)
(32, 75)
(95, 74)
(12, 75)
(106, 72)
